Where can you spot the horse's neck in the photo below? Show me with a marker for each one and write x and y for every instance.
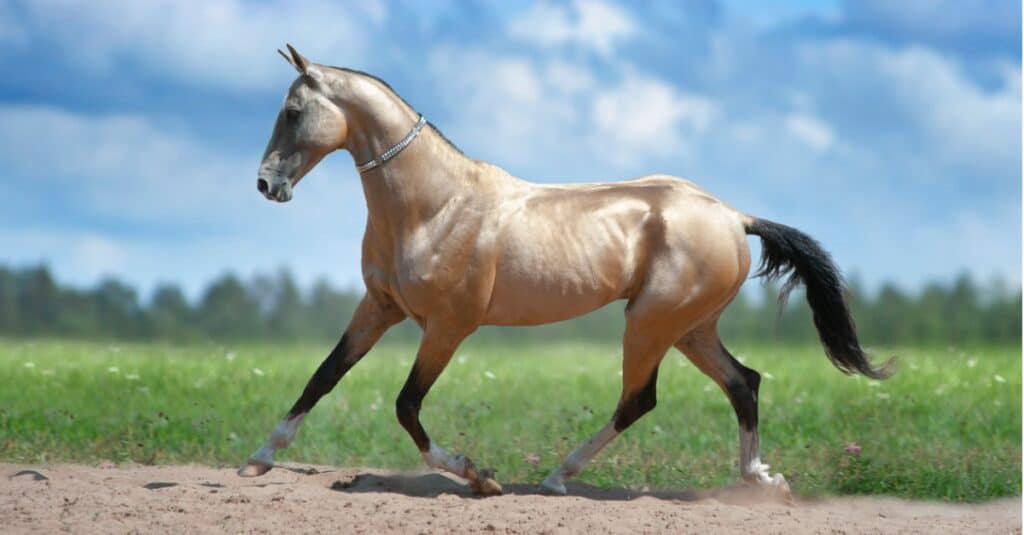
(410, 189)
(425, 177)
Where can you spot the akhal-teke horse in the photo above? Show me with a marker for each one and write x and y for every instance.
(455, 243)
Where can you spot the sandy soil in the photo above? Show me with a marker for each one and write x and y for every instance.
(304, 499)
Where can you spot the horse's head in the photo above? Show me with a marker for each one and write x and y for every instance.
(309, 126)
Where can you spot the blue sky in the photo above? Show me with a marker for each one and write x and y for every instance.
(130, 132)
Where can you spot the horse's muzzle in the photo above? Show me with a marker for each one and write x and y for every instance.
(275, 191)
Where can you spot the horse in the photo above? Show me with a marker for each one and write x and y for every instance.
(455, 243)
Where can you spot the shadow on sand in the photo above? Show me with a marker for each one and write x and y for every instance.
(433, 485)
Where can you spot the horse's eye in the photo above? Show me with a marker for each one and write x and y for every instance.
(291, 114)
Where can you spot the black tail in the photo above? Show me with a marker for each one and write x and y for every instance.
(787, 252)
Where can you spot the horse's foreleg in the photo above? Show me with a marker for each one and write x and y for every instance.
(640, 363)
(436, 350)
(740, 384)
(370, 320)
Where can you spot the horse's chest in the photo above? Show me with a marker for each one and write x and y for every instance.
(429, 272)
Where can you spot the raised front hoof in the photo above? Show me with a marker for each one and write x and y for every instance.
(254, 468)
(485, 484)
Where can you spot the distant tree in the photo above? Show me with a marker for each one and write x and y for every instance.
(77, 315)
(169, 315)
(38, 301)
(285, 315)
(927, 318)
(1001, 316)
(273, 306)
(8, 301)
(228, 311)
(886, 319)
(962, 311)
(329, 310)
(117, 308)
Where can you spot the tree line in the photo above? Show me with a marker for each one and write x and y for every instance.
(273, 307)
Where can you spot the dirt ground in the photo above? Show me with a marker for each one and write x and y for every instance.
(304, 499)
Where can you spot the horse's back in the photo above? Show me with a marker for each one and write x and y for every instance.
(569, 249)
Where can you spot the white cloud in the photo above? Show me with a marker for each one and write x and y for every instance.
(98, 255)
(965, 124)
(226, 44)
(519, 110)
(945, 120)
(644, 116)
(556, 111)
(811, 130)
(592, 24)
(570, 78)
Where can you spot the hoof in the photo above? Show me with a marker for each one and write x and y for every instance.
(485, 485)
(775, 487)
(554, 484)
(782, 489)
(254, 468)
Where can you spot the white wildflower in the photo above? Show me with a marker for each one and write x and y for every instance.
(972, 363)
(113, 369)
(489, 375)
(461, 359)
(131, 376)
(874, 384)
(258, 372)
(47, 372)
(230, 356)
(999, 379)
(30, 365)
(767, 375)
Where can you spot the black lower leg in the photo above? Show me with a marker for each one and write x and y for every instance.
(407, 408)
(742, 384)
(331, 370)
(638, 404)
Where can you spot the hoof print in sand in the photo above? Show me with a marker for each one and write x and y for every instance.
(156, 485)
(36, 476)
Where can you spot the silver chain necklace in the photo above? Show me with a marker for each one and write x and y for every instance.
(394, 150)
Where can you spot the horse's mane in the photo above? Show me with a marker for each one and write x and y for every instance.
(395, 93)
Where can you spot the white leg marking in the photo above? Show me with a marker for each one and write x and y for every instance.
(578, 459)
(436, 457)
(751, 467)
(263, 460)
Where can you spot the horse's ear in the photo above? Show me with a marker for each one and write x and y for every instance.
(289, 60)
(300, 63)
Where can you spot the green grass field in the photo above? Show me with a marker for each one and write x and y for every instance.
(947, 426)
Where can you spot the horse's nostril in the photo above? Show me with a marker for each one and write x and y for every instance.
(262, 185)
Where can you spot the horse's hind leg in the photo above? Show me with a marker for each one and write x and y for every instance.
(703, 347)
(436, 350)
(643, 350)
